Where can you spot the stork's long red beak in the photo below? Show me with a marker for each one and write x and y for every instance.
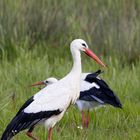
(38, 83)
(92, 55)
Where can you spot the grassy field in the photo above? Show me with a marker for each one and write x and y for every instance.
(111, 25)
(108, 123)
(34, 40)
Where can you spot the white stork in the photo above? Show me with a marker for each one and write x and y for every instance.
(94, 92)
(50, 103)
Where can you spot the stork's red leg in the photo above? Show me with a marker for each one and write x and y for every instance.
(50, 134)
(29, 133)
(83, 119)
(58, 129)
(88, 119)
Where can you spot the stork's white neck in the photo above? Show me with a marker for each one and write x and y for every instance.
(76, 62)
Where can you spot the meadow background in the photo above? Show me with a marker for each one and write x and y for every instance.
(34, 40)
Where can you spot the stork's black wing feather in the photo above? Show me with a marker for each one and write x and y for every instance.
(90, 76)
(93, 77)
(27, 103)
(103, 94)
(24, 120)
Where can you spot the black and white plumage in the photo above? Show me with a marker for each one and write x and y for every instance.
(24, 120)
(94, 92)
(50, 103)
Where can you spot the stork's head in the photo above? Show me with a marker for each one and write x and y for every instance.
(46, 82)
(50, 81)
(81, 45)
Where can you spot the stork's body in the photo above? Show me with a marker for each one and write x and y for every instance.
(50, 103)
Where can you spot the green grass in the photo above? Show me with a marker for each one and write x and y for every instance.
(111, 25)
(34, 36)
(108, 123)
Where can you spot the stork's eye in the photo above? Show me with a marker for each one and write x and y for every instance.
(83, 44)
(46, 81)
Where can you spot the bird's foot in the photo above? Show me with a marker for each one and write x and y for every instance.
(31, 136)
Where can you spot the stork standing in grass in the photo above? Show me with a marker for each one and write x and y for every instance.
(94, 92)
(49, 104)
